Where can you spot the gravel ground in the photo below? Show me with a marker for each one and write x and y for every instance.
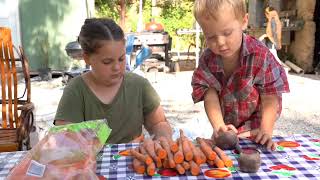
(300, 115)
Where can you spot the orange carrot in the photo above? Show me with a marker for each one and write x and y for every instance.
(226, 160)
(210, 162)
(208, 141)
(173, 145)
(206, 149)
(202, 155)
(188, 155)
(138, 166)
(165, 163)
(218, 162)
(180, 169)
(151, 169)
(138, 139)
(186, 165)
(194, 168)
(148, 145)
(160, 151)
(198, 157)
(141, 156)
(164, 143)
(178, 156)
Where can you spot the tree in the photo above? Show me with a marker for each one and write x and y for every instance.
(115, 9)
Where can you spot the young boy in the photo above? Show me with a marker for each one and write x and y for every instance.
(238, 78)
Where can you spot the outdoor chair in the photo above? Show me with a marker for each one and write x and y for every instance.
(17, 117)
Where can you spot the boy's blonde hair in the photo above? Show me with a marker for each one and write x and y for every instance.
(204, 8)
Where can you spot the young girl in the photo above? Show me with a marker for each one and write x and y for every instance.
(126, 100)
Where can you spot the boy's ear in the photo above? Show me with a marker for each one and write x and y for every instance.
(245, 21)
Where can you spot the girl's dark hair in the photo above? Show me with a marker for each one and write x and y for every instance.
(95, 30)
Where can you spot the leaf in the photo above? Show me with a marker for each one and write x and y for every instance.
(283, 173)
(232, 169)
(280, 148)
(116, 157)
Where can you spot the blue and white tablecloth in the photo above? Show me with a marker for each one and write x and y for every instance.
(298, 157)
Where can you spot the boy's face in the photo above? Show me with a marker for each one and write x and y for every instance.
(224, 34)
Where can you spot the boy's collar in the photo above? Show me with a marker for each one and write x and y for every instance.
(245, 51)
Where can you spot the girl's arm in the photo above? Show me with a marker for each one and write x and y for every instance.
(157, 124)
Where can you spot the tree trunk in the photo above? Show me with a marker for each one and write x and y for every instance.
(122, 4)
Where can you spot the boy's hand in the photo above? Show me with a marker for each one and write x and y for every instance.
(261, 137)
(227, 128)
(224, 129)
(265, 138)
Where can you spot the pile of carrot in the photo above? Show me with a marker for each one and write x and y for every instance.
(181, 155)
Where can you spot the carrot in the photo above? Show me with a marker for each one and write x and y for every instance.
(148, 145)
(173, 145)
(188, 155)
(151, 169)
(208, 141)
(194, 168)
(198, 157)
(165, 163)
(218, 162)
(180, 169)
(186, 165)
(164, 143)
(138, 166)
(141, 156)
(160, 151)
(138, 139)
(206, 149)
(178, 156)
(201, 154)
(226, 160)
(210, 162)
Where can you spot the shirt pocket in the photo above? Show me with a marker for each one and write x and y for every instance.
(245, 90)
(247, 99)
(241, 102)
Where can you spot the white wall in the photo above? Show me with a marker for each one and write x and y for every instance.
(9, 17)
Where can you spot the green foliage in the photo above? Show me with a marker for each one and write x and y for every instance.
(105, 8)
(176, 14)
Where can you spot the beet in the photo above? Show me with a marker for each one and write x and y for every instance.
(227, 140)
(249, 161)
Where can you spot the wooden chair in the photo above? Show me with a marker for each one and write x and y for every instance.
(17, 112)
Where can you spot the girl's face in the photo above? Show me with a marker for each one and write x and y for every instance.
(224, 34)
(108, 62)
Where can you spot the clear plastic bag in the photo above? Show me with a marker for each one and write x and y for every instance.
(67, 152)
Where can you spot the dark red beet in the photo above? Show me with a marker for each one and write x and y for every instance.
(227, 140)
(249, 161)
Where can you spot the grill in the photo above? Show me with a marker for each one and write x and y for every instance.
(159, 42)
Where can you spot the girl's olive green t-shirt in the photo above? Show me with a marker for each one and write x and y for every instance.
(125, 114)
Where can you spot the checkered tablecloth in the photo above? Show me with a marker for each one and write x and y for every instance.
(304, 162)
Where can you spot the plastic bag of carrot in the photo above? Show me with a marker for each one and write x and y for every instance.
(66, 152)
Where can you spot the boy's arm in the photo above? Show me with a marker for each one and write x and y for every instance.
(213, 109)
(269, 109)
(270, 105)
